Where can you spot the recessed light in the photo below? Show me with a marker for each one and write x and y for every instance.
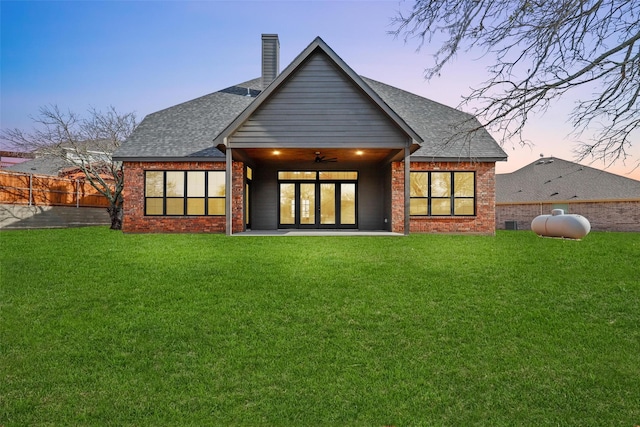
(276, 152)
(359, 152)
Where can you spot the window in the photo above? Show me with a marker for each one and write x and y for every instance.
(337, 175)
(298, 176)
(177, 193)
(439, 193)
(322, 175)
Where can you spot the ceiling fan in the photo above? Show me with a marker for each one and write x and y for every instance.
(324, 159)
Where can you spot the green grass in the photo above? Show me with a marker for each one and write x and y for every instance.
(102, 328)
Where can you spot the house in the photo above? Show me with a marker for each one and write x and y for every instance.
(61, 160)
(315, 146)
(610, 202)
(10, 158)
(53, 177)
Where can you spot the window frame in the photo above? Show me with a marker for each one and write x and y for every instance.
(451, 198)
(185, 194)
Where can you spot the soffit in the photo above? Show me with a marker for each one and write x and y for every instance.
(296, 155)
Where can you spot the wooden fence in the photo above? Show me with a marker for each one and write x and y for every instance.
(28, 189)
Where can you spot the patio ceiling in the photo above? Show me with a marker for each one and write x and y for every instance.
(343, 155)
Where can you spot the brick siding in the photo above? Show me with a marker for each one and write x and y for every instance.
(397, 197)
(237, 208)
(136, 222)
(484, 220)
(603, 215)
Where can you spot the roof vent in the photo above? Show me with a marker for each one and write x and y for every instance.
(270, 58)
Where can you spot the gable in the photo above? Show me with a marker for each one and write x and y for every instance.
(321, 106)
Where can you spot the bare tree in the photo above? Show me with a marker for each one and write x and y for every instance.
(540, 51)
(84, 144)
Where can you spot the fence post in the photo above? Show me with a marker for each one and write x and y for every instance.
(30, 188)
(77, 193)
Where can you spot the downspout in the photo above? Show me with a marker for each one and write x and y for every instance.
(407, 188)
(228, 189)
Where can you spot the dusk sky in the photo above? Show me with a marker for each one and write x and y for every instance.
(144, 56)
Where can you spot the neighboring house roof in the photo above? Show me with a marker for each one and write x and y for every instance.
(49, 164)
(551, 179)
(46, 165)
(194, 128)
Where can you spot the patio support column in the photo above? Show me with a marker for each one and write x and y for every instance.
(407, 189)
(228, 190)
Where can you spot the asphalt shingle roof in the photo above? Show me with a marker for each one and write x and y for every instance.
(187, 130)
(444, 129)
(553, 179)
(46, 165)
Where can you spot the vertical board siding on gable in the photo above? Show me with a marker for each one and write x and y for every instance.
(319, 105)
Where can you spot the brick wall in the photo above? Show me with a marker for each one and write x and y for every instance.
(603, 215)
(237, 208)
(484, 220)
(397, 197)
(136, 222)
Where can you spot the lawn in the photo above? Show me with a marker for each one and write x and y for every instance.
(102, 328)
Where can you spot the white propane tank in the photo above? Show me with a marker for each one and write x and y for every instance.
(570, 226)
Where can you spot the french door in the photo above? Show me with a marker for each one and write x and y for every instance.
(317, 204)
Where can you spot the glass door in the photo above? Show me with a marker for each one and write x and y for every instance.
(327, 203)
(348, 204)
(338, 205)
(297, 204)
(307, 202)
(288, 204)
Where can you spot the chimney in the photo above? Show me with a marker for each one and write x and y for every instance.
(270, 58)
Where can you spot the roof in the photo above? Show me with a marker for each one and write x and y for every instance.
(318, 44)
(46, 165)
(444, 130)
(188, 130)
(551, 179)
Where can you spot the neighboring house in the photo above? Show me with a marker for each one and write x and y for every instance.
(10, 158)
(62, 165)
(53, 179)
(316, 146)
(610, 202)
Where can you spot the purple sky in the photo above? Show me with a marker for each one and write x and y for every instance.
(145, 56)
